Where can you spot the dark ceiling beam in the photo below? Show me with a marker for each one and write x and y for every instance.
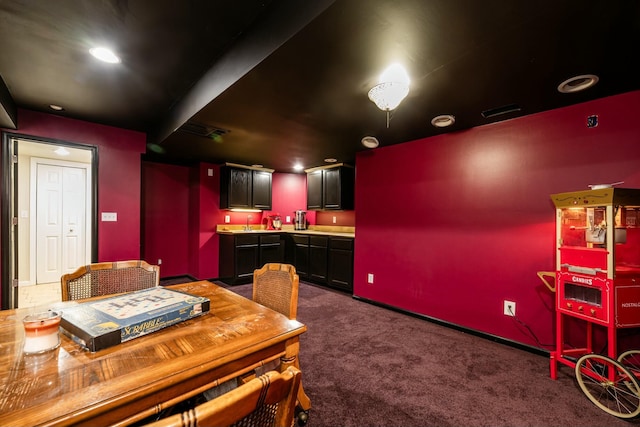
(8, 110)
(280, 22)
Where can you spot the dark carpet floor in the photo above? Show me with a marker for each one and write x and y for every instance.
(365, 365)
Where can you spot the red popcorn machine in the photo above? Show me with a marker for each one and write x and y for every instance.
(597, 270)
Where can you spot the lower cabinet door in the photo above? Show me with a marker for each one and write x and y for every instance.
(271, 249)
(270, 253)
(341, 269)
(246, 262)
(318, 259)
(301, 260)
(301, 255)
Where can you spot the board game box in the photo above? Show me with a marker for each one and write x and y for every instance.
(104, 323)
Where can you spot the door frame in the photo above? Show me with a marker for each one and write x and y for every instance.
(8, 198)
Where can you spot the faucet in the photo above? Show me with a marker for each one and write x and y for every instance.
(248, 227)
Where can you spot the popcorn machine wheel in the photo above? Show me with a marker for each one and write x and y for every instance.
(597, 288)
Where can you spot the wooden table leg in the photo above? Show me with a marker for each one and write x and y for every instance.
(291, 359)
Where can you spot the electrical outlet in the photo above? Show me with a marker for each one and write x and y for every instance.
(509, 308)
(159, 261)
(227, 219)
(370, 278)
(334, 219)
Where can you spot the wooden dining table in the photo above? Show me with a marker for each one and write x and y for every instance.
(140, 378)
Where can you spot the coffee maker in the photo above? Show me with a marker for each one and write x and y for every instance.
(299, 220)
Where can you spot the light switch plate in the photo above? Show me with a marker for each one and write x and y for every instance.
(109, 216)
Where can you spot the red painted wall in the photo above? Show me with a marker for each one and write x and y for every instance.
(289, 194)
(165, 217)
(342, 218)
(204, 242)
(118, 175)
(472, 221)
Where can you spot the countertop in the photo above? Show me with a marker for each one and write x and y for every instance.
(312, 230)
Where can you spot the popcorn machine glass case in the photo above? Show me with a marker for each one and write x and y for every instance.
(597, 266)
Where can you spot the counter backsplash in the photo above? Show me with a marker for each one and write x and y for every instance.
(289, 227)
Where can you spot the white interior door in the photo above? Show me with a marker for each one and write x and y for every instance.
(61, 220)
(74, 218)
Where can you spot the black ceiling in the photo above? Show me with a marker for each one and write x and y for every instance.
(279, 82)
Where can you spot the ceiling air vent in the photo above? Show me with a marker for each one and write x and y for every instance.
(200, 129)
(511, 108)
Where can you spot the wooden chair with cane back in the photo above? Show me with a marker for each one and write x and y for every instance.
(275, 285)
(106, 278)
(267, 400)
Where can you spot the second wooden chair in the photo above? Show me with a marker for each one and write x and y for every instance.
(276, 286)
(106, 278)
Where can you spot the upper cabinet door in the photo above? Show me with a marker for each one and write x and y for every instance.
(314, 190)
(262, 190)
(235, 188)
(332, 194)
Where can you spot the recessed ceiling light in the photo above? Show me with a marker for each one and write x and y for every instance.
(298, 167)
(370, 141)
(443, 121)
(330, 160)
(578, 83)
(104, 54)
(56, 107)
(62, 151)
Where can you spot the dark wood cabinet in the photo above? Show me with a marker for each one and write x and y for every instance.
(300, 259)
(246, 262)
(314, 190)
(325, 260)
(245, 188)
(241, 254)
(261, 196)
(336, 194)
(318, 266)
(271, 249)
(331, 188)
(235, 188)
(341, 263)
(321, 259)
